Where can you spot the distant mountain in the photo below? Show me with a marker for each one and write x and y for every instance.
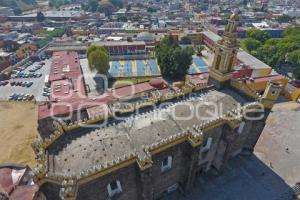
(15, 4)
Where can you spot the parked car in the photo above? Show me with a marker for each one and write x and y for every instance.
(28, 84)
(3, 83)
(46, 94)
(47, 89)
(38, 75)
(13, 97)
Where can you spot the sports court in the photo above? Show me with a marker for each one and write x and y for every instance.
(149, 67)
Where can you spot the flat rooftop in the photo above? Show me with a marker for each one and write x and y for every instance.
(278, 145)
(119, 43)
(251, 61)
(106, 144)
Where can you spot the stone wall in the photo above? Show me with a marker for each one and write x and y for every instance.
(97, 189)
(255, 132)
(51, 191)
(163, 180)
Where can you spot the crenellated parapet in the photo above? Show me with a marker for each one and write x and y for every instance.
(140, 155)
(102, 169)
(144, 158)
(69, 188)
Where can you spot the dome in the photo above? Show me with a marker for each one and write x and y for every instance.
(145, 36)
(157, 83)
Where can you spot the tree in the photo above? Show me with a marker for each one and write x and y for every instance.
(40, 17)
(250, 44)
(257, 34)
(10, 46)
(284, 19)
(58, 32)
(117, 3)
(98, 59)
(17, 11)
(280, 51)
(151, 9)
(122, 18)
(173, 60)
(294, 59)
(92, 5)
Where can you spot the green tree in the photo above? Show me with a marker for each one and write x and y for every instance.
(173, 60)
(151, 10)
(284, 19)
(294, 59)
(98, 59)
(92, 5)
(40, 17)
(294, 30)
(58, 32)
(122, 18)
(250, 44)
(257, 34)
(276, 52)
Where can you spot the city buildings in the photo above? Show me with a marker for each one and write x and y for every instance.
(145, 140)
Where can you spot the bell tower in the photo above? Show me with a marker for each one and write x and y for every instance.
(225, 53)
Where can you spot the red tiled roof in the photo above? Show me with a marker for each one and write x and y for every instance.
(130, 90)
(264, 79)
(24, 192)
(10, 184)
(198, 78)
(241, 73)
(9, 178)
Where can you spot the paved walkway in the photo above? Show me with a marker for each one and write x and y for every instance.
(245, 178)
(89, 77)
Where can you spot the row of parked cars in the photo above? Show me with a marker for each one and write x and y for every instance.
(21, 83)
(35, 68)
(21, 97)
(24, 66)
(26, 75)
(46, 91)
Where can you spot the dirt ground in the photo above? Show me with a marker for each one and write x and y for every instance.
(18, 126)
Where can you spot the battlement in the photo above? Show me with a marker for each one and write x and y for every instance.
(134, 140)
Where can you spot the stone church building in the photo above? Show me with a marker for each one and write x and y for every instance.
(160, 150)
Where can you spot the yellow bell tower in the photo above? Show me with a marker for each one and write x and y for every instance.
(225, 53)
(271, 94)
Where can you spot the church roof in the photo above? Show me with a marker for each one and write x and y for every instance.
(102, 145)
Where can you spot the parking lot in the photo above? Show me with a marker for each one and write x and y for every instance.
(24, 86)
